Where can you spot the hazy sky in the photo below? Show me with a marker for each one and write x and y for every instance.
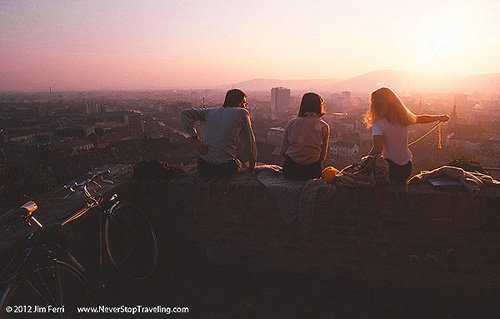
(140, 44)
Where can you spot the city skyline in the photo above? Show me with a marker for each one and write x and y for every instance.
(82, 45)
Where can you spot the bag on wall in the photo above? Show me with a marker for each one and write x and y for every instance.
(371, 171)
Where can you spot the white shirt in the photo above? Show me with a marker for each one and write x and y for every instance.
(395, 141)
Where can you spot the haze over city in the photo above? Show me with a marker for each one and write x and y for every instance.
(250, 158)
(95, 45)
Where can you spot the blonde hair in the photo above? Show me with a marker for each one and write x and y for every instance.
(384, 103)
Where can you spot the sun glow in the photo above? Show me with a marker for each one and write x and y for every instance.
(439, 49)
(179, 44)
(449, 43)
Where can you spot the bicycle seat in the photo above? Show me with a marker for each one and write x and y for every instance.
(28, 207)
(26, 212)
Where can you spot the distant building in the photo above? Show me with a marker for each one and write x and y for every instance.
(343, 102)
(346, 95)
(453, 116)
(467, 131)
(133, 121)
(92, 107)
(461, 101)
(275, 135)
(30, 139)
(72, 147)
(336, 99)
(468, 145)
(149, 125)
(78, 131)
(338, 117)
(275, 138)
(346, 100)
(344, 149)
(109, 126)
(174, 110)
(109, 109)
(365, 134)
(280, 101)
(105, 140)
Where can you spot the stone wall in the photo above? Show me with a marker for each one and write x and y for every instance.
(418, 237)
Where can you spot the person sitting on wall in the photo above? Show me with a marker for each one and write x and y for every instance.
(305, 142)
(223, 128)
(389, 119)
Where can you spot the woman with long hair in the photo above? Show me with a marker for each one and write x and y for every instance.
(305, 142)
(389, 119)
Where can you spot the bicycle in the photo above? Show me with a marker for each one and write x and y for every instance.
(44, 272)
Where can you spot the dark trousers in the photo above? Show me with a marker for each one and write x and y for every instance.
(299, 172)
(399, 173)
(209, 170)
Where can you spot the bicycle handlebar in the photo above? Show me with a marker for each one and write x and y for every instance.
(74, 186)
(96, 177)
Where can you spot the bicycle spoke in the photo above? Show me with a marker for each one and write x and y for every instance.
(46, 288)
(128, 244)
(113, 218)
(128, 220)
(131, 225)
(36, 290)
(130, 229)
(59, 284)
(129, 253)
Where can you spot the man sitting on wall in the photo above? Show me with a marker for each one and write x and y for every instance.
(223, 128)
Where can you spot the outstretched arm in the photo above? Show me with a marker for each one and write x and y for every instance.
(189, 117)
(421, 119)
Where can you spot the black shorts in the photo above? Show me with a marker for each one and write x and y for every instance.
(399, 173)
(224, 170)
(299, 172)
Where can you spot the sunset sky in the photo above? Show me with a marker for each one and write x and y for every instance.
(100, 44)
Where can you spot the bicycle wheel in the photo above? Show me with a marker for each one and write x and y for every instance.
(53, 290)
(131, 241)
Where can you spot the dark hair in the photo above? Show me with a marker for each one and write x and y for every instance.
(311, 102)
(233, 98)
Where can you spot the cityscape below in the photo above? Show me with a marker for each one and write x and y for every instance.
(48, 138)
(126, 187)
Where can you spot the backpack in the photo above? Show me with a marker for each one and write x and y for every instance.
(371, 171)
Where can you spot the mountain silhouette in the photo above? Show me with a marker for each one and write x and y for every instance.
(403, 82)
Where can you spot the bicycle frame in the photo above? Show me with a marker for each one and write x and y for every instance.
(43, 266)
(52, 244)
(43, 244)
(47, 245)
(36, 250)
(104, 214)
